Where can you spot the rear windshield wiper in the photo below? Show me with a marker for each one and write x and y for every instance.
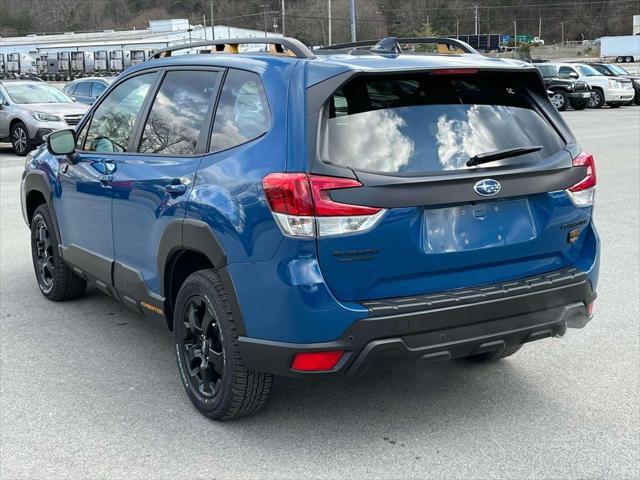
(500, 154)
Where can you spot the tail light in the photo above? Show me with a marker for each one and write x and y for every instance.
(302, 205)
(583, 192)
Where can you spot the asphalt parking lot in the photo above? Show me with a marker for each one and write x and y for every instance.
(90, 390)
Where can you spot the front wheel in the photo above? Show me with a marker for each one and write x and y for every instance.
(597, 99)
(55, 279)
(559, 100)
(493, 356)
(206, 342)
(20, 139)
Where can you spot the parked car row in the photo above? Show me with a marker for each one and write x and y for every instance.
(578, 85)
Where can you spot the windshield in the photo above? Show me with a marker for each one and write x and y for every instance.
(548, 70)
(428, 123)
(618, 70)
(588, 71)
(23, 93)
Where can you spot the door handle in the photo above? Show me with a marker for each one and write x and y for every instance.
(176, 188)
(105, 179)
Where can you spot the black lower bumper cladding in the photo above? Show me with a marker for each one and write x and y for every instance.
(416, 330)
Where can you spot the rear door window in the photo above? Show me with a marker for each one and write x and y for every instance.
(179, 113)
(83, 89)
(431, 123)
(98, 88)
(243, 112)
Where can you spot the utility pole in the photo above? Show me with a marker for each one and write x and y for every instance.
(352, 7)
(213, 33)
(476, 16)
(329, 16)
(515, 34)
(283, 32)
(539, 27)
(264, 9)
(562, 30)
(457, 29)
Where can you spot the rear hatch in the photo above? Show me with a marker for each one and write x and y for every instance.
(407, 138)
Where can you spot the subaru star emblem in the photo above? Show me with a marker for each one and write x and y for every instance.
(487, 187)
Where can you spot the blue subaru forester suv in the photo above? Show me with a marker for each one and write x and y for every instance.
(341, 211)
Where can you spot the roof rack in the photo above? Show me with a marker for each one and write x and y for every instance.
(277, 45)
(394, 45)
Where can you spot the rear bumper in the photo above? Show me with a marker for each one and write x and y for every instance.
(409, 331)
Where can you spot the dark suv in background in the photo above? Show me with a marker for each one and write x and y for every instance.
(612, 70)
(566, 91)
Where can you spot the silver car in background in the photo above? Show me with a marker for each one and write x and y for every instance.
(31, 110)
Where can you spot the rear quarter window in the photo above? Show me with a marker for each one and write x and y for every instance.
(431, 123)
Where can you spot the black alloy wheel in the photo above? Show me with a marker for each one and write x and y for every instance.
(44, 256)
(201, 343)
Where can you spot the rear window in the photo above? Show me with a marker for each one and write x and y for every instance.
(432, 123)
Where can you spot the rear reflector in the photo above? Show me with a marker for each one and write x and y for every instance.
(316, 361)
(590, 310)
(583, 192)
(302, 205)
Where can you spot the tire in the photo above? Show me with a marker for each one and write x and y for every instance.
(20, 139)
(636, 100)
(559, 100)
(619, 59)
(629, 59)
(202, 321)
(493, 356)
(55, 279)
(597, 99)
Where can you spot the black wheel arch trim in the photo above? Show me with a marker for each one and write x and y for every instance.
(196, 236)
(37, 181)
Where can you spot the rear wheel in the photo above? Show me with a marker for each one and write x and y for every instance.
(493, 356)
(559, 100)
(206, 342)
(20, 139)
(55, 279)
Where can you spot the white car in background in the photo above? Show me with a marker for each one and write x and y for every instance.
(615, 92)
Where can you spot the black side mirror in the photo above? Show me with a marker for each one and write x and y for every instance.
(62, 142)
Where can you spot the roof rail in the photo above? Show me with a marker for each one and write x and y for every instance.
(230, 45)
(394, 45)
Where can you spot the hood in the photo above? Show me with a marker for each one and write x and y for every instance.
(57, 108)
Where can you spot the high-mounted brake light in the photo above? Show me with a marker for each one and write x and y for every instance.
(316, 361)
(454, 71)
(583, 192)
(303, 207)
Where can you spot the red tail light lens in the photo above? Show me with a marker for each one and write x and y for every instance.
(585, 160)
(288, 193)
(325, 207)
(582, 193)
(302, 205)
(316, 361)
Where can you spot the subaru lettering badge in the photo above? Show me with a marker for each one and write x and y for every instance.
(487, 187)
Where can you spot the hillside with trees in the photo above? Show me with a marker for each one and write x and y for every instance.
(307, 19)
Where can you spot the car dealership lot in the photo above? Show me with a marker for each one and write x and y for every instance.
(90, 389)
